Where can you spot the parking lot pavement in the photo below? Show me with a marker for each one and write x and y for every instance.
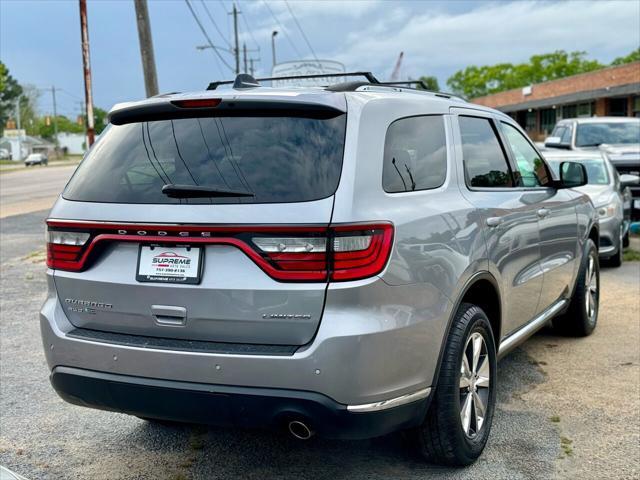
(567, 408)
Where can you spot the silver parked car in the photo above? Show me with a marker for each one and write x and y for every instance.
(609, 192)
(619, 137)
(348, 261)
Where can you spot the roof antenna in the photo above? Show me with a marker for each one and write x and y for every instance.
(244, 80)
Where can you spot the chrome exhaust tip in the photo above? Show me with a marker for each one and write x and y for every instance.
(300, 430)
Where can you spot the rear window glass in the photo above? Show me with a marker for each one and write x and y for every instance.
(278, 159)
(415, 156)
(485, 163)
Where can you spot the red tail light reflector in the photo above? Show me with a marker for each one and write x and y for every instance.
(65, 249)
(288, 254)
(360, 251)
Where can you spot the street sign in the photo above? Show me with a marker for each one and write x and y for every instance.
(305, 67)
(15, 132)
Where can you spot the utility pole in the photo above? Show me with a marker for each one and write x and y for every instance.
(251, 69)
(146, 48)
(273, 46)
(244, 51)
(55, 117)
(19, 125)
(235, 30)
(86, 64)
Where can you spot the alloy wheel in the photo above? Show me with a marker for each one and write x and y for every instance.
(475, 379)
(591, 282)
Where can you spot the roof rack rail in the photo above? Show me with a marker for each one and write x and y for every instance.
(368, 75)
(424, 88)
(408, 82)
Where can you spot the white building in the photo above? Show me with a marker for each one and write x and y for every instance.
(72, 143)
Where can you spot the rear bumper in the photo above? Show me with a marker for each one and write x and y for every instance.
(229, 406)
(375, 343)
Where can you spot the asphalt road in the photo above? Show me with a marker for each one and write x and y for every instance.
(567, 408)
(32, 189)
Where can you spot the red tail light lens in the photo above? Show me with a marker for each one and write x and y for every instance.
(65, 249)
(289, 254)
(360, 251)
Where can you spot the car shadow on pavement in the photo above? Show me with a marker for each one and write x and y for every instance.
(522, 444)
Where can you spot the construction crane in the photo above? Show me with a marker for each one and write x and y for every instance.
(396, 70)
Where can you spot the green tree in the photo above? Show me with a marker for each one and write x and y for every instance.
(632, 57)
(46, 129)
(28, 109)
(10, 90)
(476, 81)
(100, 119)
(430, 82)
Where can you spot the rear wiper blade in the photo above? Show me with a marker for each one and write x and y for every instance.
(200, 191)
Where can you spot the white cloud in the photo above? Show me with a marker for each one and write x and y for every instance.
(316, 8)
(491, 33)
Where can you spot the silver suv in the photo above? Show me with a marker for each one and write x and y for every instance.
(349, 260)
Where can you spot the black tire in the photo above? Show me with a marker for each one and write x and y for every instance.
(615, 260)
(578, 321)
(442, 438)
(625, 240)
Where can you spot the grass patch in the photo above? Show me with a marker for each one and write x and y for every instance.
(565, 444)
(37, 256)
(555, 419)
(630, 255)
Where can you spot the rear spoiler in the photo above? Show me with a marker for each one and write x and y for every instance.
(180, 107)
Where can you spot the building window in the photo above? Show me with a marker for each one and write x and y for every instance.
(547, 120)
(569, 111)
(530, 126)
(584, 110)
(636, 106)
(618, 107)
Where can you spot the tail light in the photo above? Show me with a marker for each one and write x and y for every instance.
(289, 254)
(65, 249)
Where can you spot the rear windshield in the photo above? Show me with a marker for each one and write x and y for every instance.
(278, 159)
(594, 134)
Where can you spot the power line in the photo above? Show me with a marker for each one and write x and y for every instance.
(204, 32)
(250, 30)
(214, 23)
(282, 28)
(295, 19)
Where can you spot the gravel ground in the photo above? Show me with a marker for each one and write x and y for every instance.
(567, 408)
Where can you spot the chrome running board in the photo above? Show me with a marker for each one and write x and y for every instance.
(517, 337)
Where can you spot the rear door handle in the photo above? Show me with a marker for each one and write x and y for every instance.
(543, 212)
(494, 221)
(169, 316)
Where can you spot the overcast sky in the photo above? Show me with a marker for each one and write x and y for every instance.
(40, 40)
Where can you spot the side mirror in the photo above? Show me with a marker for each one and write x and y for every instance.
(627, 180)
(572, 175)
(555, 142)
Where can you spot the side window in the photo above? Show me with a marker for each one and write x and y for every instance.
(415, 155)
(485, 164)
(533, 171)
(566, 135)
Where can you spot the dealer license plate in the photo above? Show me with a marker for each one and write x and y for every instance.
(169, 264)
